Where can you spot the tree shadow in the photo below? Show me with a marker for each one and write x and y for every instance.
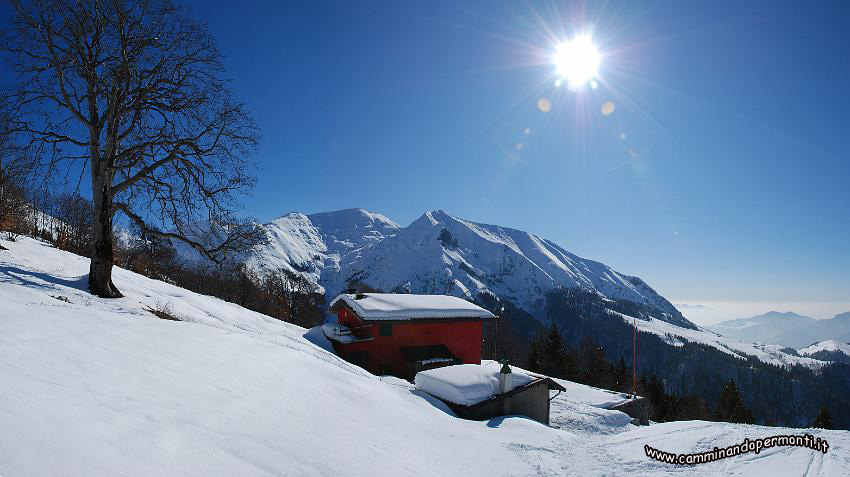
(28, 278)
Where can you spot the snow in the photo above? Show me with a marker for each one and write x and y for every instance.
(331, 248)
(828, 345)
(582, 408)
(338, 333)
(317, 336)
(596, 397)
(467, 384)
(676, 335)
(315, 246)
(388, 306)
(626, 450)
(102, 387)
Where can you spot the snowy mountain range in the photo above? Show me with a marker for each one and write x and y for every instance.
(439, 253)
(442, 254)
(787, 329)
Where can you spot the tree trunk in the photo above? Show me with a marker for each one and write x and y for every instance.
(100, 272)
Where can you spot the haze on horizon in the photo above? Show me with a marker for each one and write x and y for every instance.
(710, 160)
(710, 313)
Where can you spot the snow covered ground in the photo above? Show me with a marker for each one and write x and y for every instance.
(102, 387)
(626, 450)
(828, 345)
(676, 335)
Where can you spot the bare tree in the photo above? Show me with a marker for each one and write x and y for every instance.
(132, 91)
(15, 170)
(74, 230)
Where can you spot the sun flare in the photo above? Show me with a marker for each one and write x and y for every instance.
(577, 60)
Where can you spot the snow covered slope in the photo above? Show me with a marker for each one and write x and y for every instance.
(102, 387)
(676, 335)
(626, 450)
(440, 254)
(828, 345)
(317, 245)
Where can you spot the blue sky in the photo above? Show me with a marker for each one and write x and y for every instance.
(731, 183)
(721, 176)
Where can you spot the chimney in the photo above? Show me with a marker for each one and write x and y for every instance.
(359, 295)
(505, 378)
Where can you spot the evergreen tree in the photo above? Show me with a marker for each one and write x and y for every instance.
(730, 407)
(642, 386)
(688, 408)
(571, 365)
(654, 391)
(600, 370)
(621, 376)
(535, 354)
(823, 420)
(554, 359)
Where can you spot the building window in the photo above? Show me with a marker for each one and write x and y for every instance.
(386, 330)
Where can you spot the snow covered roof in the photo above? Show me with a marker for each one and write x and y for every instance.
(398, 306)
(467, 384)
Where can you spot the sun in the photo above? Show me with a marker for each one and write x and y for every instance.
(577, 61)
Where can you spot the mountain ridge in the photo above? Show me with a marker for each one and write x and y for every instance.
(440, 253)
(787, 328)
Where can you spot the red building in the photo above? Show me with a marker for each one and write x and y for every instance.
(402, 334)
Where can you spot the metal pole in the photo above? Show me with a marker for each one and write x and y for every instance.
(634, 357)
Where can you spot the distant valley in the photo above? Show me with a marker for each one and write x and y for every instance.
(787, 329)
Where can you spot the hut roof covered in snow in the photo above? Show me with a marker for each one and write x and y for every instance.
(467, 384)
(399, 306)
